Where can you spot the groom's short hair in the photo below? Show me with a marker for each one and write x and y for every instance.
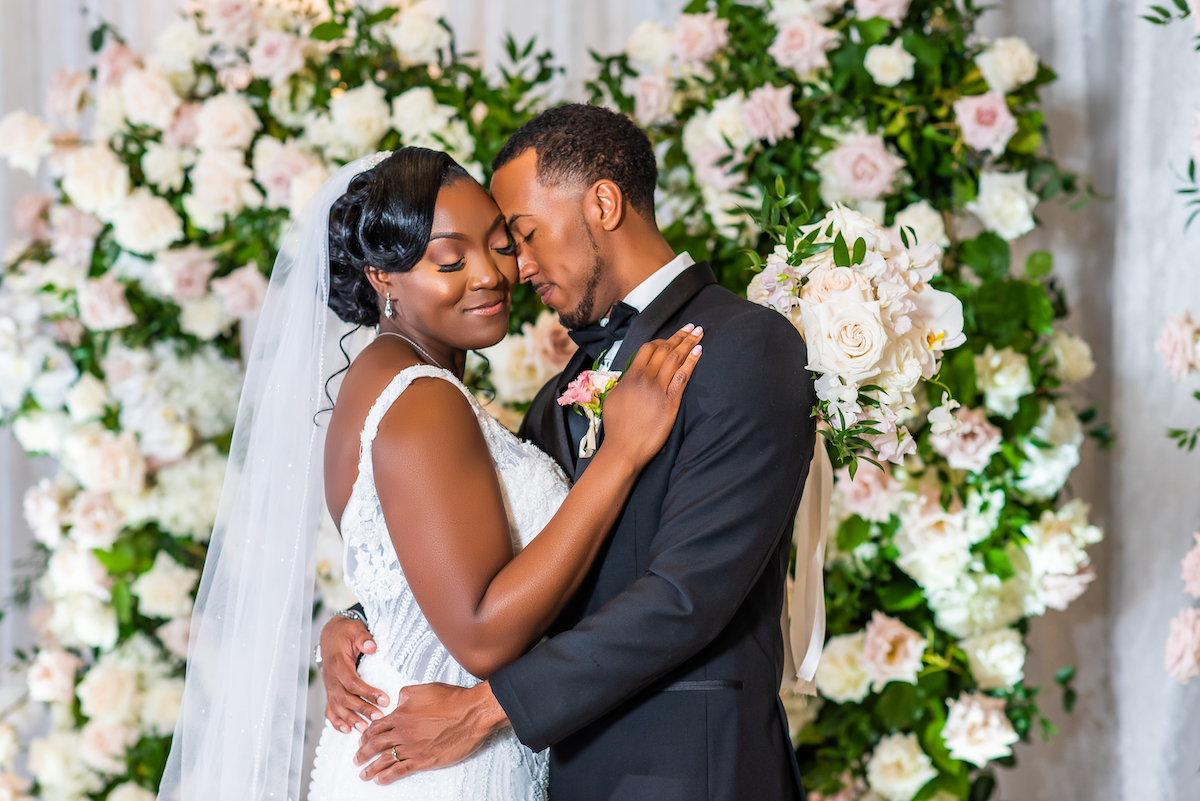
(585, 144)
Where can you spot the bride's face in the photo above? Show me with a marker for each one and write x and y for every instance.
(459, 294)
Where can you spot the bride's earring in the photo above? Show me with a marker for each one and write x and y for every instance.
(387, 307)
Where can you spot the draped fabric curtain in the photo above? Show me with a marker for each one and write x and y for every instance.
(1121, 116)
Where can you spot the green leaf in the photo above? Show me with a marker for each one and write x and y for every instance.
(853, 532)
(1065, 675)
(987, 255)
(860, 251)
(1039, 263)
(382, 15)
(97, 39)
(328, 31)
(841, 254)
(874, 30)
(900, 595)
(998, 564)
(983, 787)
(898, 706)
(122, 601)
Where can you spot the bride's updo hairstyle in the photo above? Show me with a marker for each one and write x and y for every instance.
(383, 221)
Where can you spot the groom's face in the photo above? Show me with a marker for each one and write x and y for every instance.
(555, 247)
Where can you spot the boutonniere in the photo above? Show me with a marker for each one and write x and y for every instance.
(588, 392)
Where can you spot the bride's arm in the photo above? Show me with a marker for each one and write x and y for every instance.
(445, 513)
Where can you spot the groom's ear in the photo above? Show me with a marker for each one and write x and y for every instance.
(608, 203)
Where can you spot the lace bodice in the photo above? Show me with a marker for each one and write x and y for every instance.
(533, 487)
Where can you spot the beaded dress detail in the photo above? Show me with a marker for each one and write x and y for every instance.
(408, 651)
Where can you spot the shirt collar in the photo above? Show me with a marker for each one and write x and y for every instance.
(644, 293)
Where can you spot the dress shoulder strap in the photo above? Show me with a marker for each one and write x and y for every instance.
(392, 391)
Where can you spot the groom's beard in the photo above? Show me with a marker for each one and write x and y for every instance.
(582, 315)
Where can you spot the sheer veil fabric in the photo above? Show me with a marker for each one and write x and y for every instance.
(240, 732)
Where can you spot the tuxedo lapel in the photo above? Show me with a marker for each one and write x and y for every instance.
(554, 417)
(647, 325)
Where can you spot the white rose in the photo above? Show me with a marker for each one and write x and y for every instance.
(841, 673)
(174, 635)
(1004, 204)
(844, 339)
(926, 223)
(166, 589)
(95, 522)
(149, 99)
(160, 706)
(130, 792)
(1072, 357)
(109, 692)
(417, 37)
(146, 223)
(55, 762)
(9, 747)
(56, 374)
(1007, 64)
(87, 399)
(189, 493)
(109, 119)
(176, 48)
(102, 746)
(52, 676)
(161, 433)
(726, 122)
(304, 187)
(205, 318)
(24, 141)
(977, 730)
(288, 108)
(997, 658)
(43, 510)
(226, 121)
(95, 180)
(1004, 378)
(84, 619)
(889, 64)
(980, 602)
(898, 768)
(416, 113)
(42, 432)
(1058, 540)
(163, 166)
(361, 116)
(649, 46)
(221, 186)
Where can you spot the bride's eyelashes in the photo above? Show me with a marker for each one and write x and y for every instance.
(508, 249)
(452, 268)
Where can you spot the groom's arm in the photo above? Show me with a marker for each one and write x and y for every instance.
(748, 441)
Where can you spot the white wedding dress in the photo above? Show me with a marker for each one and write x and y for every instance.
(408, 650)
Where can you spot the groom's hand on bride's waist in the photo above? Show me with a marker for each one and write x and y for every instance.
(433, 726)
(350, 701)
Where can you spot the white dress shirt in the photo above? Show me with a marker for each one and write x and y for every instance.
(644, 294)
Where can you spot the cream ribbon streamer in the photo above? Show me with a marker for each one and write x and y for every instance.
(803, 618)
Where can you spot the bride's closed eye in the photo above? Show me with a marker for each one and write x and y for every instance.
(508, 249)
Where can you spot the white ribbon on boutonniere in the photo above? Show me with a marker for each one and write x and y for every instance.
(588, 392)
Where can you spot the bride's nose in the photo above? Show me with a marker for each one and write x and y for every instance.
(487, 275)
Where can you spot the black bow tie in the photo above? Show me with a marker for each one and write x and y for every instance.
(595, 339)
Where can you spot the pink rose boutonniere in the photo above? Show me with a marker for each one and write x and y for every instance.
(588, 392)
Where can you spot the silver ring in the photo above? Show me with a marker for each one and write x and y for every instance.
(394, 754)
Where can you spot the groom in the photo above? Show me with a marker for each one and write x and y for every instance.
(659, 681)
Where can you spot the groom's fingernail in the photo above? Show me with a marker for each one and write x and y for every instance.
(376, 715)
(361, 725)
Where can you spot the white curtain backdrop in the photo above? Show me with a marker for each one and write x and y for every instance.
(1121, 116)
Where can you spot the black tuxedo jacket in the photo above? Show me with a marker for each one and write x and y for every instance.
(660, 680)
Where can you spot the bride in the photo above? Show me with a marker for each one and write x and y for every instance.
(438, 504)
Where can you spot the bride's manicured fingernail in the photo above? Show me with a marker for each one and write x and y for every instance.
(376, 715)
(361, 725)
(688, 327)
(383, 700)
(696, 351)
(698, 331)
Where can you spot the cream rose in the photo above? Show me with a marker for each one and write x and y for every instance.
(174, 635)
(205, 318)
(226, 121)
(10, 746)
(843, 284)
(146, 223)
(83, 619)
(166, 589)
(160, 706)
(898, 768)
(109, 692)
(95, 180)
(1004, 377)
(418, 38)
(889, 64)
(361, 116)
(65, 96)
(304, 187)
(102, 304)
(841, 674)
(104, 461)
(844, 339)
(924, 222)
(1072, 357)
(891, 651)
(149, 99)
(95, 522)
(220, 186)
(55, 763)
(176, 48)
(1004, 204)
(1007, 64)
(130, 792)
(102, 746)
(73, 235)
(977, 730)
(997, 658)
(24, 141)
(514, 375)
(973, 445)
(801, 45)
(649, 46)
(872, 494)
(891, 10)
(163, 166)
(243, 291)
(51, 677)
(74, 569)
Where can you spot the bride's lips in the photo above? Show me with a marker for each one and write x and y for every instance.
(489, 309)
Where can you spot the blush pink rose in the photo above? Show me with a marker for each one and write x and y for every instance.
(801, 45)
(243, 290)
(1177, 344)
(837, 283)
(68, 331)
(1059, 590)
(233, 22)
(588, 387)
(652, 98)
(73, 234)
(275, 165)
(65, 96)
(891, 651)
(276, 56)
(29, 217)
(872, 494)
(183, 273)
(710, 171)
(698, 37)
(174, 635)
(985, 121)
(113, 62)
(1183, 646)
(183, 130)
(102, 304)
(864, 167)
(891, 10)
(549, 345)
(95, 522)
(235, 78)
(768, 113)
(973, 446)
(1191, 570)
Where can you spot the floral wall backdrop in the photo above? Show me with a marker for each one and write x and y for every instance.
(701, 80)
